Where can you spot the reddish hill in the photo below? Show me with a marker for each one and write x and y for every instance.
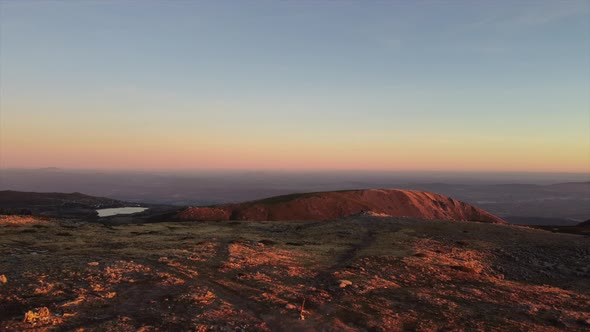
(339, 204)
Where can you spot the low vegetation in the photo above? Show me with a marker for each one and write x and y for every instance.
(356, 274)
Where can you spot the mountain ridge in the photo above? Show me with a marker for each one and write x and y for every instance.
(340, 204)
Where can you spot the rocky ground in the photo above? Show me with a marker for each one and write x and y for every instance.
(357, 274)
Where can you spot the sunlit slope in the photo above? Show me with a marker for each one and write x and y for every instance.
(339, 204)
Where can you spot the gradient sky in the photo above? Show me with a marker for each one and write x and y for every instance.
(433, 85)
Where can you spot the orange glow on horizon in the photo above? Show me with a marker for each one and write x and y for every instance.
(233, 155)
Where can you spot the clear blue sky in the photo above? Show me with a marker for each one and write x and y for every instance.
(467, 85)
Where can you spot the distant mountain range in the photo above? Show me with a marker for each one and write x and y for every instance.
(564, 202)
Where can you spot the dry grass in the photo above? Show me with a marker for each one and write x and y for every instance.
(400, 274)
(21, 220)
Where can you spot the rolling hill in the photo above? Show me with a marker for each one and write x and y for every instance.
(340, 204)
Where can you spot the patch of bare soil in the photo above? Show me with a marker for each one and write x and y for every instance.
(357, 274)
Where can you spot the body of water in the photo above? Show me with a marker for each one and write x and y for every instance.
(115, 211)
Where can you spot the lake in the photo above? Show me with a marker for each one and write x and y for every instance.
(115, 211)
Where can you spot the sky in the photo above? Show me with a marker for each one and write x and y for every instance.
(296, 85)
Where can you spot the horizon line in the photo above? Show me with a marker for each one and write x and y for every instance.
(285, 170)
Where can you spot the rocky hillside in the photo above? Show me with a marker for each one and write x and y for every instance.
(53, 204)
(340, 204)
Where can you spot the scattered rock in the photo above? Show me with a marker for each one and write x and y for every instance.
(267, 242)
(530, 308)
(345, 283)
(38, 315)
(463, 268)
